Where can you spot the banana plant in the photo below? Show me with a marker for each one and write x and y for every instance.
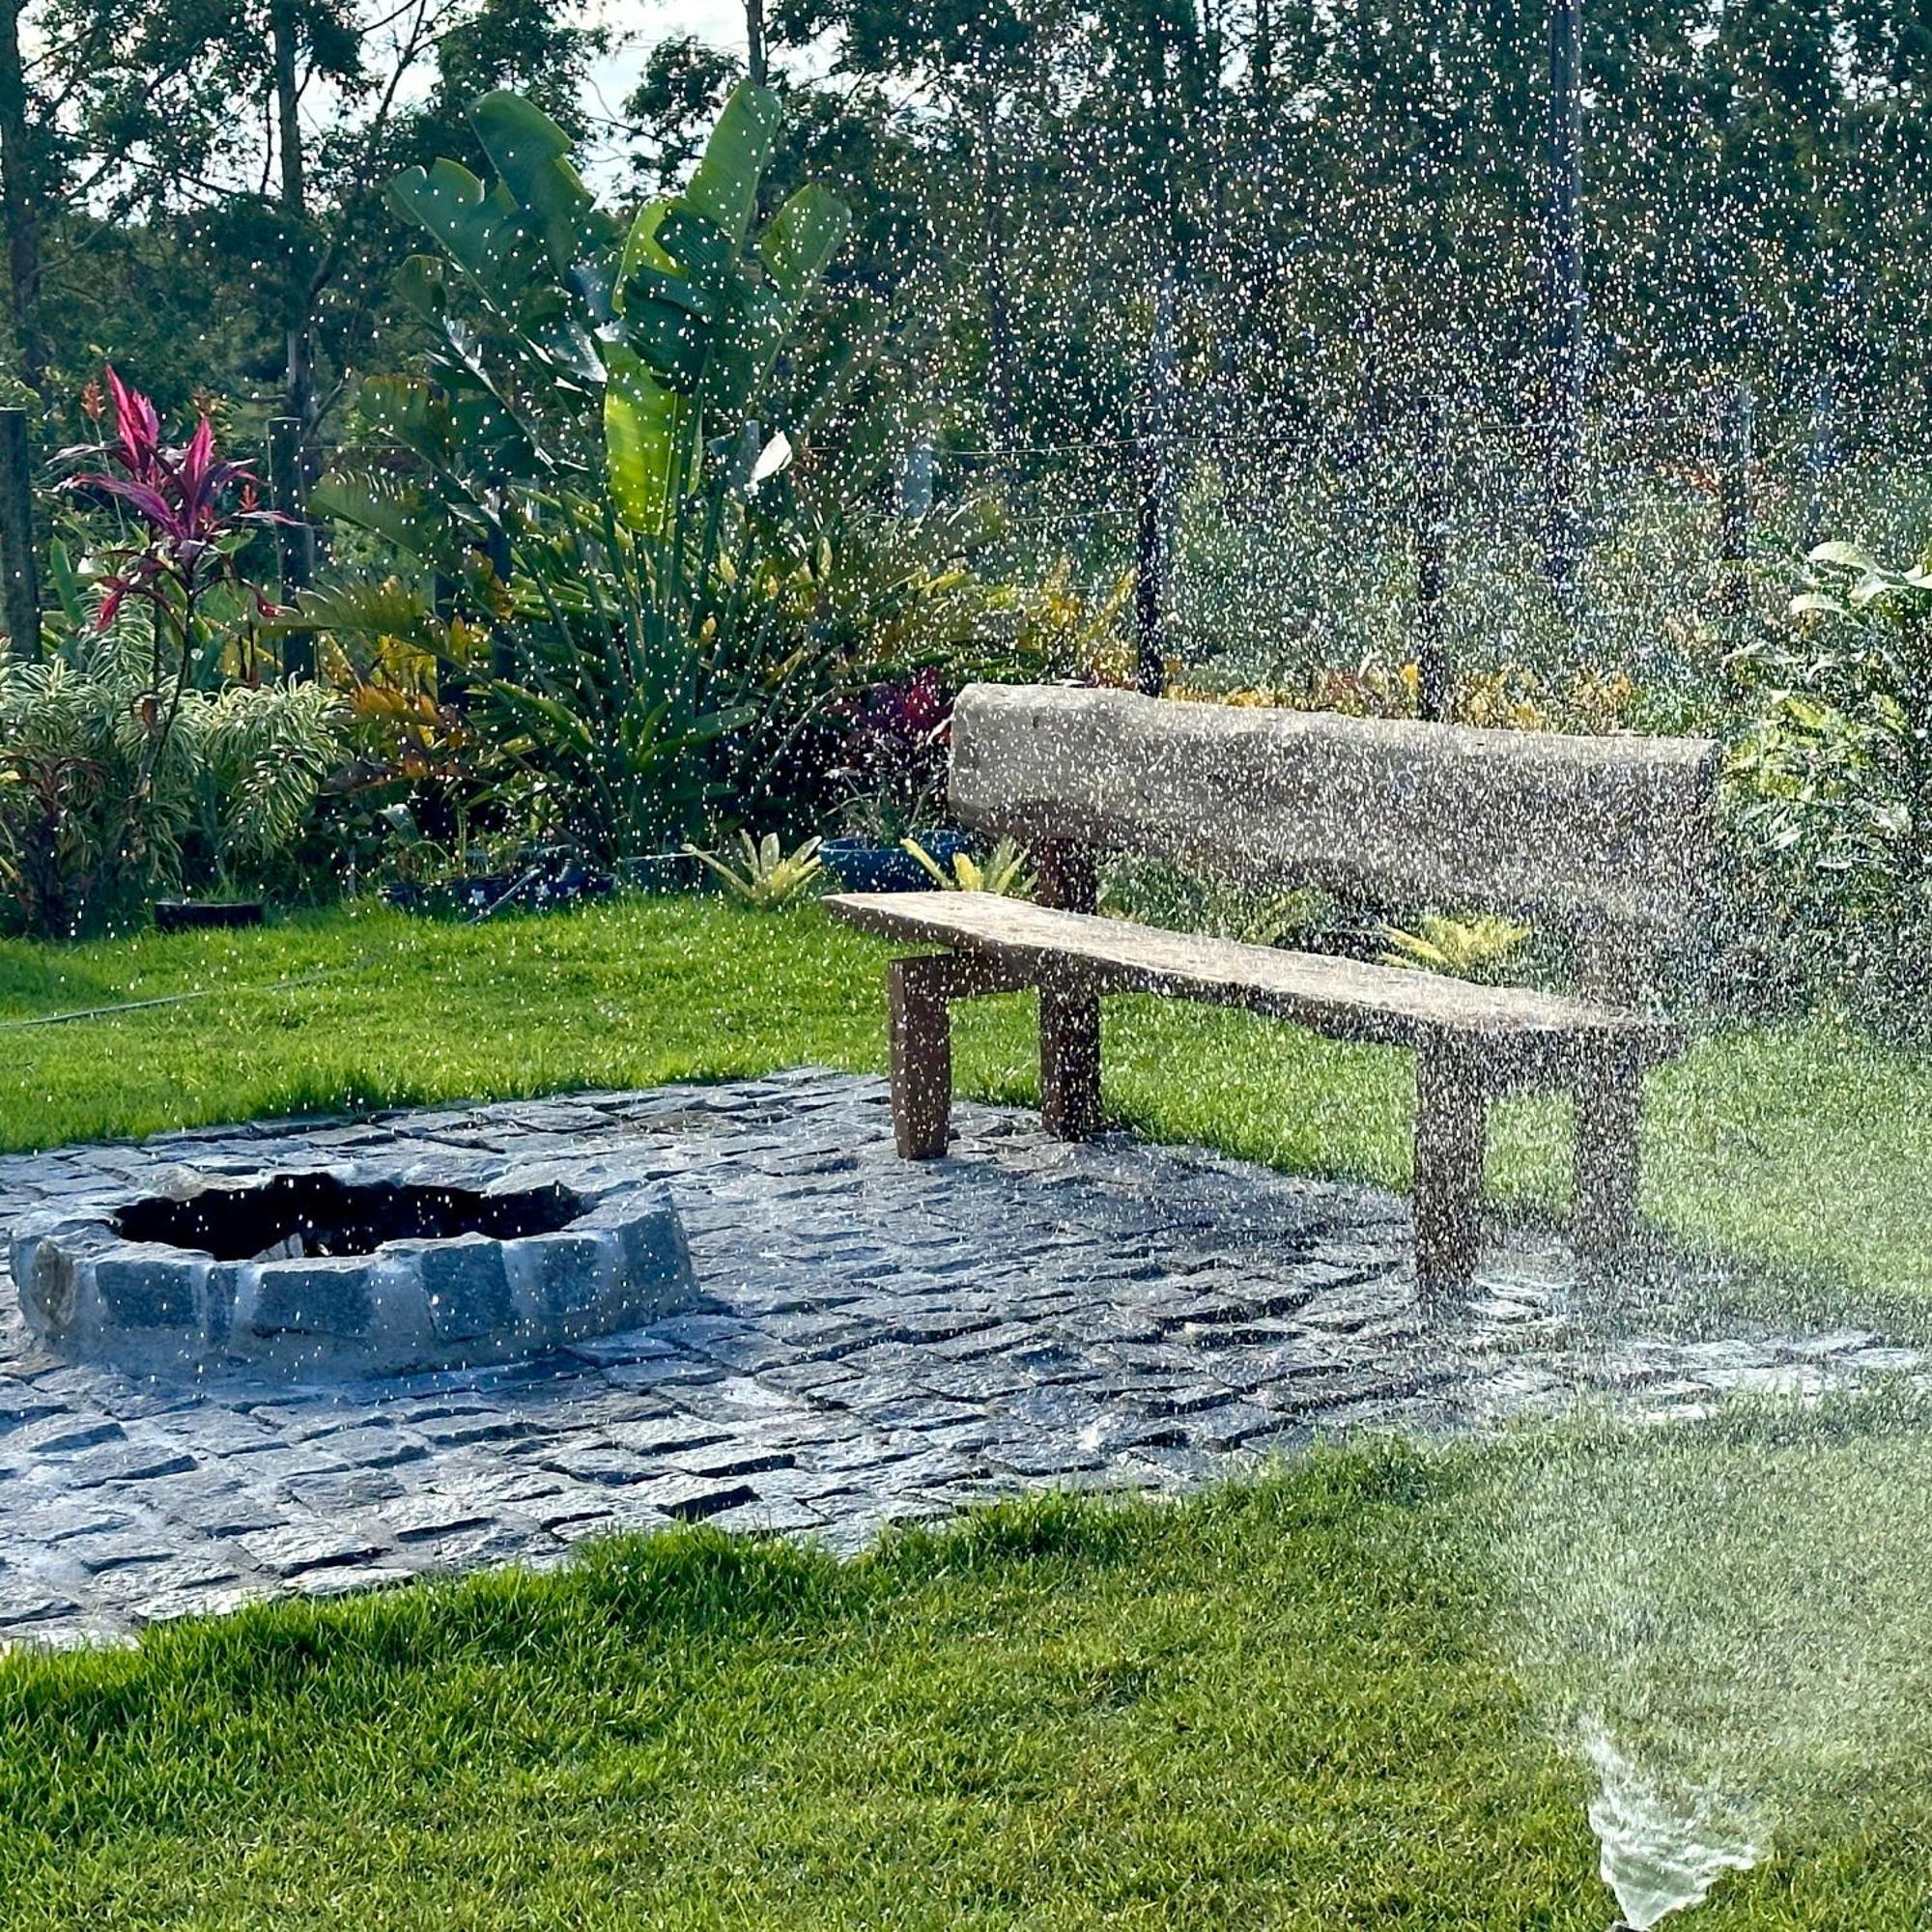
(581, 447)
(669, 329)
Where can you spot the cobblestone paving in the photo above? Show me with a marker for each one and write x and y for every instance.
(881, 1340)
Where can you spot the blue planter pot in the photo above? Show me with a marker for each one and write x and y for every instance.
(535, 889)
(860, 866)
(663, 873)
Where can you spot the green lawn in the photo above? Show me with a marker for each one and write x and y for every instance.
(1298, 1705)
(1279, 1707)
(1802, 1149)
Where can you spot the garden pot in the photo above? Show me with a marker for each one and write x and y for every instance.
(862, 866)
(665, 872)
(205, 915)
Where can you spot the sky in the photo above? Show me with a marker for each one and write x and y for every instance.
(641, 27)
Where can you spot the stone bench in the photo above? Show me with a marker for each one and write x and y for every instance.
(1607, 839)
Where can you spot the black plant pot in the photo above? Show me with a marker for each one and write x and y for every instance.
(205, 915)
(860, 866)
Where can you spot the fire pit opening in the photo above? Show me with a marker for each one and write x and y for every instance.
(294, 1215)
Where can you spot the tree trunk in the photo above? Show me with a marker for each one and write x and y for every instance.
(993, 281)
(1154, 530)
(755, 41)
(1157, 456)
(1563, 308)
(1261, 70)
(298, 378)
(18, 208)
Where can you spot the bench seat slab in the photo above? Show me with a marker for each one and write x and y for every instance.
(1471, 1043)
(1517, 1035)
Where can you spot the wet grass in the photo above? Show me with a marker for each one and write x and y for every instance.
(1738, 1608)
(1283, 1706)
(1801, 1148)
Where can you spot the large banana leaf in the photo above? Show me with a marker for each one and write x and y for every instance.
(531, 155)
(802, 237)
(650, 436)
(408, 412)
(474, 226)
(725, 186)
(675, 289)
(795, 247)
(396, 512)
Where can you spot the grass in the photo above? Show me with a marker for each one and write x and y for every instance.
(1284, 1706)
(1801, 1148)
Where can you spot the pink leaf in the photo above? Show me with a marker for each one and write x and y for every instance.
(138, 426)
(143, 499)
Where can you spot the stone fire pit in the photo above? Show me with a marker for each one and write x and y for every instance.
(350, 1270)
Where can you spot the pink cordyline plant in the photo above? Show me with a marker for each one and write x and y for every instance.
(194, 507)
(192, 504)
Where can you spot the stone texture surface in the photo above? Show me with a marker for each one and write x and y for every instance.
(875, 1339)
(1402, 811)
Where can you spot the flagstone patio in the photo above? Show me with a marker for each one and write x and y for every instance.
(878, 1340)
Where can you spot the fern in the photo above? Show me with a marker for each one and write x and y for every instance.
(95, 801)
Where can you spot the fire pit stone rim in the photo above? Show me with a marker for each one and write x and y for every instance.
(620, 1262)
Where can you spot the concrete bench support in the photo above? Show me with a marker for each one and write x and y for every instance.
(919, 993)
(1452, 1122)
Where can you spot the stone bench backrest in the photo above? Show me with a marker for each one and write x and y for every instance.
(1612, 836)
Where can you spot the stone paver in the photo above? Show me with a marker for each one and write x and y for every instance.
(877, 1341)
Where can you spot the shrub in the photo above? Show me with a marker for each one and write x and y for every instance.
(1829, 782)
(584, 451)
(134, 760)
(98, 814)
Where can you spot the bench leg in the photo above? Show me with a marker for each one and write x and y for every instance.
(1069, 1062)
(922, 1046)
(1609, 1110)
(1451, 1139)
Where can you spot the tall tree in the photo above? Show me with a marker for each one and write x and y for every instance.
(22, 200)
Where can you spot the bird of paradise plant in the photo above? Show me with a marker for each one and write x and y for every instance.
(583, 472)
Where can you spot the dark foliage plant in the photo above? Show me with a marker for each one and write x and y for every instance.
(891, 755)
(135, 759)
(578, 459)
